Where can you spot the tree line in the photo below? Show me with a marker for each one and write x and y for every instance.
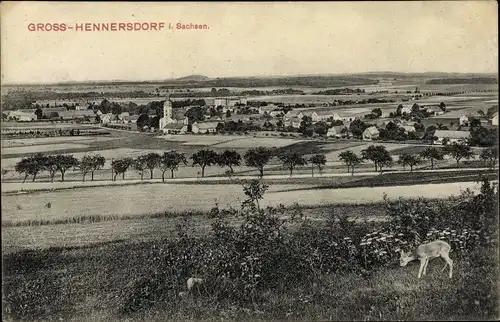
(256, 158)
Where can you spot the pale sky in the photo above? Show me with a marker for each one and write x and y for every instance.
(248, 39)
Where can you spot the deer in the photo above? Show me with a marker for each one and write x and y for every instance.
(425, 252)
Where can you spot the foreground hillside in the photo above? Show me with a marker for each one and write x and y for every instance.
(270, 268)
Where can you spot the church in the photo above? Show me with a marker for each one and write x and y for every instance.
(170, 123)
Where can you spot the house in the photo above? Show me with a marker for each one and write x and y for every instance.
(318, 116)
(371, 133)
(21, 116)
(122, 115)
(463, 120)
(347, 116)
(108, 118)
(337, 131)
(435, 110)
(494, 119)
(291, 114)
(204, 127)
(406, 109)
(293, 122)
(304, 113)
(170, 118)
(408, 128)
(267, 109)
(274, 113)
(175, 128)
(450, 136)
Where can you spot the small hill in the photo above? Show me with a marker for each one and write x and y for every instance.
(193, 78)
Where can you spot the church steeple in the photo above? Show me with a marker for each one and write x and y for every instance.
(167, 109)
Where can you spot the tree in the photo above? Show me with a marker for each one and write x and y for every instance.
(442, 106)
(357, 127)
(65, 162)
(481, 136)
(431, 154)
(139, 164)
(91, 163)
(195, 114)
(258, 157)
(398, 109)
(152, 161)
(320, 128)
(409, 159)
(459, 151)
(350, 159)
(377, 112)
(291, 160)
(142, 121)
(228, 113)
(121, 166)
(204, 158)
(490, 156)
(30, 166)
(50, 165)
(171, 161)
(318, 160)
(39, 113)
(379, 155)
(229, 158)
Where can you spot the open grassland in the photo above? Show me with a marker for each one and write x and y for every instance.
(7, 143)
(91, 230)
(158, 198)
(42, 148)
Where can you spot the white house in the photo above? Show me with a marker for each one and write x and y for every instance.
(293, 122)
(108, 118)
(346, 116)
(123, 115)
(337, 131)
(494, 119)
(130, 119)
(204, 127)
(371, 133)
(406, 110)
(318, 116)
(463, 120)
(450, 136)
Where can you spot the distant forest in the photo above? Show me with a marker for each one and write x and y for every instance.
(472, 80)
(312, 81)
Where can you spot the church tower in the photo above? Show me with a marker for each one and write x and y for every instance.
(167, 109)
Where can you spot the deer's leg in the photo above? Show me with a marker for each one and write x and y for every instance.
(449, 262)
(425, 266)
(422, 264)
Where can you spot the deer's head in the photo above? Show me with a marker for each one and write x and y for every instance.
(405, 258)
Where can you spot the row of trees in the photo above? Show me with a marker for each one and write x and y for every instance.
(257, 158)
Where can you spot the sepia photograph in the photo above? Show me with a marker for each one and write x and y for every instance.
(249, 161)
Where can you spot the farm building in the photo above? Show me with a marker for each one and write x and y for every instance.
(170, 118)
(175, 128)
(450, 136)
(229, 102)
(21, 116)
(494, 119)
(204, 127)
(435, 110)
(371, 133)
(77, 115)
(337, 131)
(292, 114)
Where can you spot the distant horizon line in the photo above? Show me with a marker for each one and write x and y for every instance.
(76, 82)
